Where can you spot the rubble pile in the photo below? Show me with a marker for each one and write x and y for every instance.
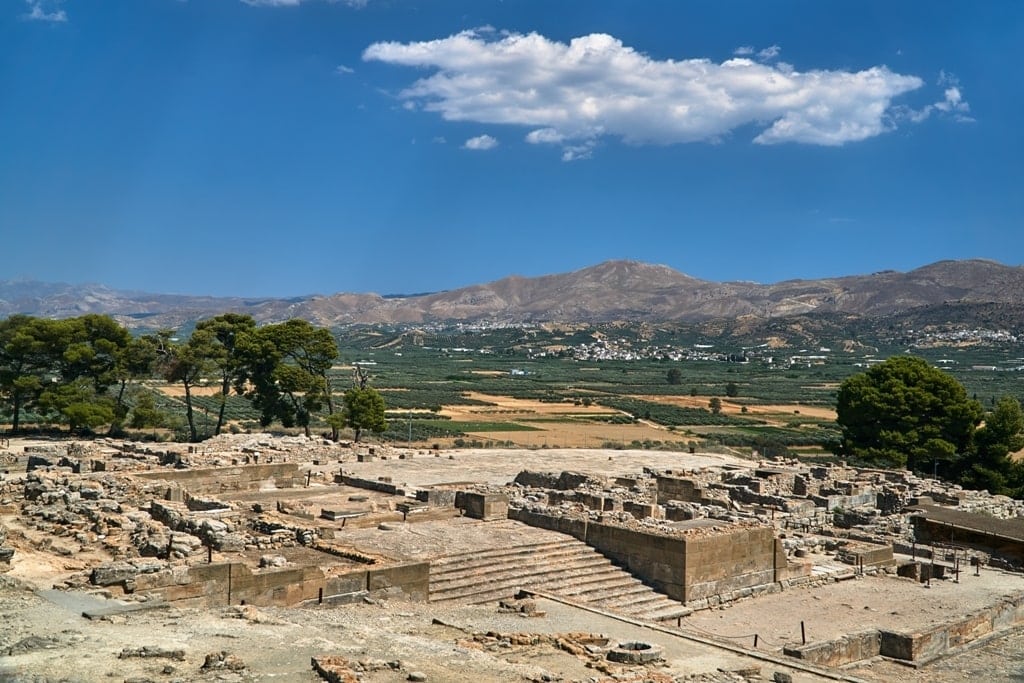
(77, 513)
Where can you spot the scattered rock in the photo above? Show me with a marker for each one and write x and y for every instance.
(148, 651)
(222, 660)
(33, 644)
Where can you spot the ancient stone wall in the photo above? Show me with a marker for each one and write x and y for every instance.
(839, 652)
(660, 561)
(484, 506)
(234, 583)
(674, 488)
(233, 478)
(572, 526)
(729, 560)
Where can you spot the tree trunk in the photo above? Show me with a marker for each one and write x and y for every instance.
(224, 389)
(330, 408)
(16, 418)
(188, 412)
(358, 431)
(120, 394)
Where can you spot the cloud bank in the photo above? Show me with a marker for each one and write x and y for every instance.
(594, 86)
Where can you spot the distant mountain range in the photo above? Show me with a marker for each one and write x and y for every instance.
(613, 290)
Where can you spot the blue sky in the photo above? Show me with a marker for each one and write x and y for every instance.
(286, 147)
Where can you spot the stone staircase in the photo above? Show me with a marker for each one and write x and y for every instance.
(551, 563)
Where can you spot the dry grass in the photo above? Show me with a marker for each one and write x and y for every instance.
(582, 435)
(567, 434)
(779, 411)
(507, 407)
(791, 409)
(177, 390)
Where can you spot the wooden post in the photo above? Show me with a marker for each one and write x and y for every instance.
(803, 633)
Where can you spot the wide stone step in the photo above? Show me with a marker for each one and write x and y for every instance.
(470, 558)
(669, 612)
(553, 564)
(566, 557)
(567, 564)
(627, 599)
(502, 577)
(611, 580)
(480, 593)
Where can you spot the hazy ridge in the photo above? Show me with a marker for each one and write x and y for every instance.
(613, 290)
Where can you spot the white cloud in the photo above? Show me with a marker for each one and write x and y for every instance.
(583, 150)
(342, 69)
(544, 136)
(952, 103)
(46, 10)
(480, 143)
(744, 51)
(769, 53)
(572, 94)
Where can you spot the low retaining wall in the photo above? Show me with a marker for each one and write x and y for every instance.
(577, 528)
(924, 646)
(234, 583)
(834, 653)
(919, 647)
(233, 478)
(372, 485)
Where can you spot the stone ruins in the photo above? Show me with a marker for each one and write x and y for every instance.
(270, 521)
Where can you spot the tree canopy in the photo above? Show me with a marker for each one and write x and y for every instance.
(905, 413)
(990, 466)
(61, 367)
(77, 371)
(364, 410)
(283, 369)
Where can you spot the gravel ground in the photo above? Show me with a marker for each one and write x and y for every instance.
(45, 641)
(498, 466)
